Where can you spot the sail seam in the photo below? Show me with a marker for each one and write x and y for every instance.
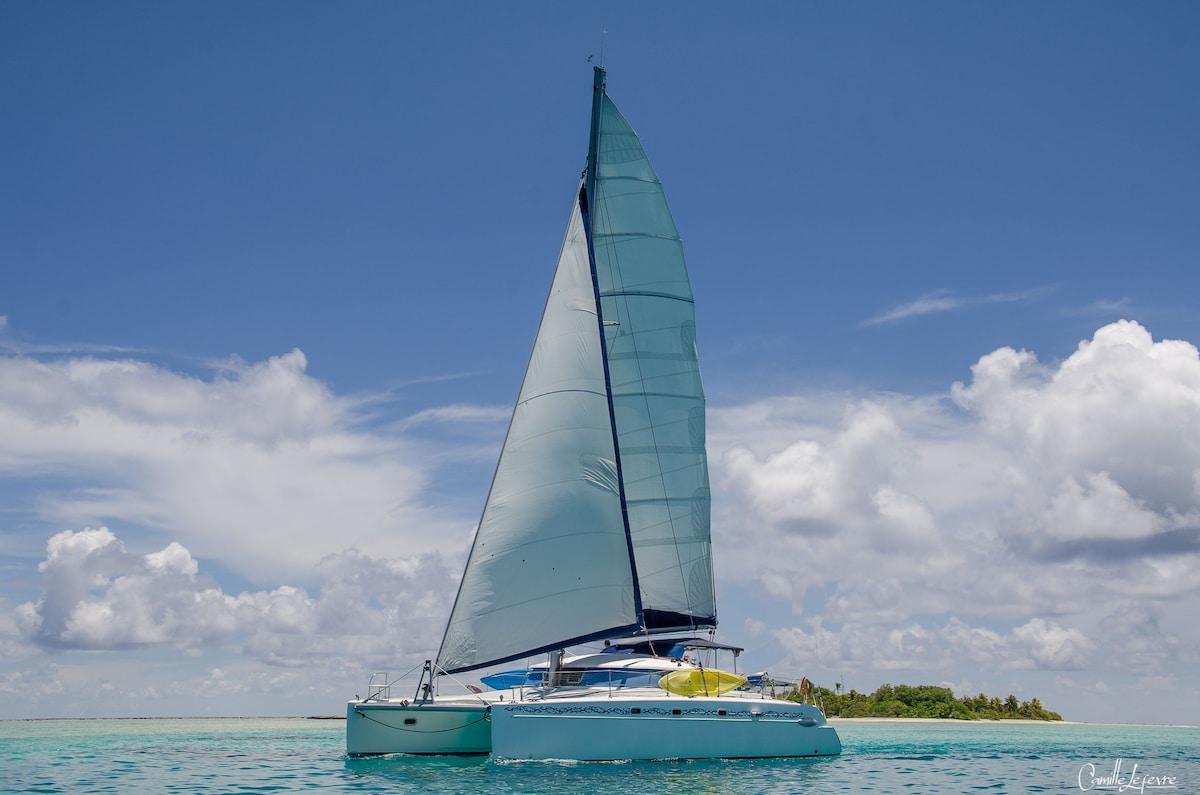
(661, 500)
(544, 596)
(559, 392)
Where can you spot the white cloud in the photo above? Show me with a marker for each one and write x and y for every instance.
(939, 301)
(260, 467)
(96, 595)
(457, 413)
(1015, 524)
(1053, 647)
(914, 646)
(1106, 446)
(1004, 524)
(946, 301)
(813, 487)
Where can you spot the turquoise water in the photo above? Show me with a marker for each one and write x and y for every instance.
(293, 754)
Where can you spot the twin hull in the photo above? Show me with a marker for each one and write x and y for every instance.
(387, 727)
(596, 728)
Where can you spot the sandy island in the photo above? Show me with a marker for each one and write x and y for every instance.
(952, 720)
(1006, 720)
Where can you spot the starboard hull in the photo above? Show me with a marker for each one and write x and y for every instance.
(385, 727)
(602, 728)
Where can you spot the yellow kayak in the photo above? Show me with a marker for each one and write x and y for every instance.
(700, 682)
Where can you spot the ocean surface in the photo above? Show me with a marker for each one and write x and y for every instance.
(213, 755)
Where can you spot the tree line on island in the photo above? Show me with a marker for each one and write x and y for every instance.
(924, 701)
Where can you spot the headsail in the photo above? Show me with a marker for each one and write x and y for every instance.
(550, 564)
(597, 522)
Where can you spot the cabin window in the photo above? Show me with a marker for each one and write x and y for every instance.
(722, 712)
(676, 712)
(410, 721)
(635, 710)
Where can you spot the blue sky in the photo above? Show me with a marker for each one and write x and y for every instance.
(269, 274)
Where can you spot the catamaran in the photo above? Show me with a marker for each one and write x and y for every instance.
(596, 526)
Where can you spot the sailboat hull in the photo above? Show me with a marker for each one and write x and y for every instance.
(650, 726)
(386, 727)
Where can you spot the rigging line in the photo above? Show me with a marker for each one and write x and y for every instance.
(397, 680)
(409, 671)
(444, 672)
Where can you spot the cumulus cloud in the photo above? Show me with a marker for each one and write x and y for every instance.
(1106, 446)
(1020, 521)
(1038, 643)
(819, 488)
(1005, 522)
(259, 467)
(97, 595)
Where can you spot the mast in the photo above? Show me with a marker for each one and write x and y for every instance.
(588, 193)
(589, 184)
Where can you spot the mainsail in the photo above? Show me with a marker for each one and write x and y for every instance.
(650, 330)
(597, 521)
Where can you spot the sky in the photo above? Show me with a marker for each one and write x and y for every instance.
(270, 272)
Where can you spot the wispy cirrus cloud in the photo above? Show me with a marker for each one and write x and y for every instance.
(1105, 306)
(17, 347)
(948, 301)
(457, 413)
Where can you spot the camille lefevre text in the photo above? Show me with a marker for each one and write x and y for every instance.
(1123, 779)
